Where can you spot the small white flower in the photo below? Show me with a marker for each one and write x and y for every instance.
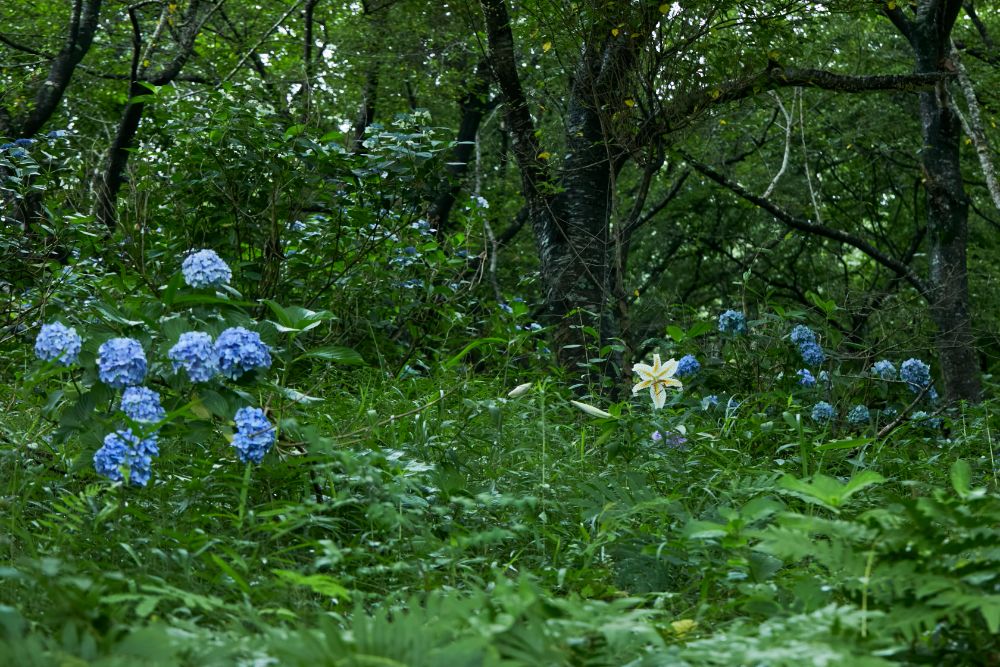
(657, 378)
(591, 410)
(519, 390)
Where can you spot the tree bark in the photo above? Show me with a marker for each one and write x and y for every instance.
(947, 204)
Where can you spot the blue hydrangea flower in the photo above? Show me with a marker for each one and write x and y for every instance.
(57, 134)
(121, 363)
(823, 412)
(889, 413)
(58, 342)
(710, 402)
(205, 269)
(812, 353)
(254, 435)
(687, 365)
(806, 378)
(803, 334)
(825, 379)
(23, 143)
(733, 322)
(884, 369)
(657, 436)
(142, 405)
(859, 415)
(916, 374)
(932, 395)
(4, 147)
(239, 350)
(124, 449)
(195, 353)
(925, 419)
(18, 152)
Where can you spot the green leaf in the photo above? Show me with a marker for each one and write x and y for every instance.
(961, 477)
(337, 353)
(470, 347)
(319, 583)
(675, 332)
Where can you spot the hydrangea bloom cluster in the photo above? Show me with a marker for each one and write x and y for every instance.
(812, 353)
(687, 365)
(58, 342)
(254, 435)
(823, 412)
(809, 349)
(205, 269)
(803, 334)
(195, 353)
(859, 415)
(710, 402)
(916, 374)
(240, 350)
(124, 449)
(925, 419)
(884, 369)
(142, 405)
(825, 379)
(806, 378)
(121, 363)
(733, 322)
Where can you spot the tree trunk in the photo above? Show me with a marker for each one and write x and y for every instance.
(947, 207)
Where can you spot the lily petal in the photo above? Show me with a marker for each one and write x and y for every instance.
(659, 394)
(642, 385)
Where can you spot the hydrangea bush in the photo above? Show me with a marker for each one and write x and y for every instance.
(142, 377)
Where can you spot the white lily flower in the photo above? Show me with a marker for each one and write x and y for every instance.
(591, 410)
(657, 378)
(519, 390)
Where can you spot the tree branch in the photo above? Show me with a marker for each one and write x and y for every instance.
(808, 227)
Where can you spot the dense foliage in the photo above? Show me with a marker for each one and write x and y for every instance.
(320, 321)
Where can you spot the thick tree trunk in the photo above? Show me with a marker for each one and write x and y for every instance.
(947, 208)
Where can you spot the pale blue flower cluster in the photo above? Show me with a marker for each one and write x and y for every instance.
(687, 366)
(884, 369)
(733, 322)
(125, 450)
(925, 419)
(254, 435)
(239, 351)
(823, 412)
(810, 350)
(58, 342)
(195, 353)
(859, 415)
(710, 402)
(121, 363)
(803, 334)
(812, 353)
(205, 268)
(916, 374)
(142, 405)
(806, 378)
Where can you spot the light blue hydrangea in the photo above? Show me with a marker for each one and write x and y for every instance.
(195, 353)
(825, 379)
(657, 436)
(889, 413)
(687, 365)
(124, 449)
(932, 395)
(710, 402)
(884, 369)
(142, 405)
(823, 412)
(859, 415)
(806, 378)
(23, 143)
(803, 334)
(812, 353)
(205, 269)
(924, 419)
(733, 322)
(916, 374)
(239, 351)
(58, 342)
(254, 435)
(121, 363)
